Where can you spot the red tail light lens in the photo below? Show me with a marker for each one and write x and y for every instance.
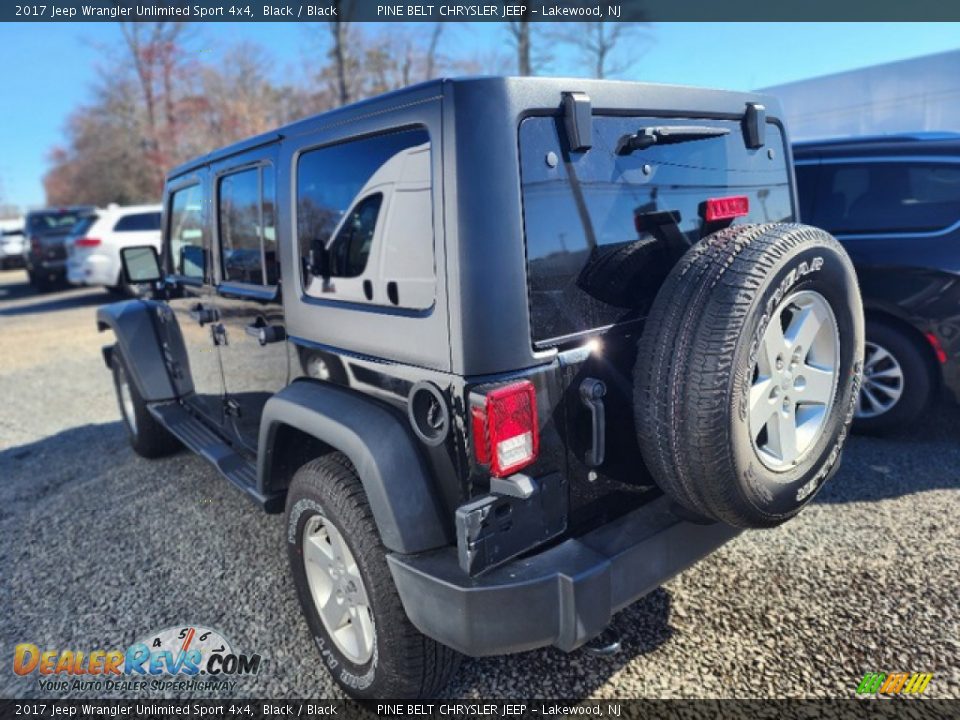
(726, 208)
(937, 348)
(505, 429)
(86, 242)
(35, 245)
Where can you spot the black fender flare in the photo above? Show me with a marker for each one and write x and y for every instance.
(132, 322)
(379, 444)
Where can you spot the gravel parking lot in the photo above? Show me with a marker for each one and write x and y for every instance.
(99, 547)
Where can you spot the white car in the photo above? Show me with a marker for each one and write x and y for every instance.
(12, 244)
(93, 248)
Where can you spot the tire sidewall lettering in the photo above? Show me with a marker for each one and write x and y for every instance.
(823, 270)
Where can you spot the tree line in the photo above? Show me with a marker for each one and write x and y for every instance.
(158, 102)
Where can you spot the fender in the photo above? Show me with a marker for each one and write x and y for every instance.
(132, 321)
(378, 442)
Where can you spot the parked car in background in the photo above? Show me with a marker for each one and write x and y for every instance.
(894, 202)
(47, 231)
(94, 244)
(12, 244)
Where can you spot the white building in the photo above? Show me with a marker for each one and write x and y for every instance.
(908, 95)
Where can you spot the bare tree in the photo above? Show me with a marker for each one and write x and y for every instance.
(597, 43)
(339, 52)
(430, 71)
(520, 31)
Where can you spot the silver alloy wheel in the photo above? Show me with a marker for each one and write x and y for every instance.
(882, 382)
(794, 380)
(338, 590)
(126, 399)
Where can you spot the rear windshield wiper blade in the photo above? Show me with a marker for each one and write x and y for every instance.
(667, 135)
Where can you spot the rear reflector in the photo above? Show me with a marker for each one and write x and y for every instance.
(727, 208)
(937, 348)
(505, 430)
(86, 242)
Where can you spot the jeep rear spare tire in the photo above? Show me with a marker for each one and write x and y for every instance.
(748, 372)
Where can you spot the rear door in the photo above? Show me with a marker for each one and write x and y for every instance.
(251, 334)
(603, 228)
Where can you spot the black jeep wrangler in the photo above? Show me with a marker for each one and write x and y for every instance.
(510, 353)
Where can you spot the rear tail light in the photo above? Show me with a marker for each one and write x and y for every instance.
(35, 246)
(86, 242)
(726, 208)
(505, 432)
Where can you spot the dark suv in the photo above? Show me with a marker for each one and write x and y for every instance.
(509, 352)
(894, 203)
(46, 253)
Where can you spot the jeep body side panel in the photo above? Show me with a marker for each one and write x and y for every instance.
(416, 337)
(490, 325)
(378, 442)
(132, 322)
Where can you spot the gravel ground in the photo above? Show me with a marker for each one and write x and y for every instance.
(99, 547)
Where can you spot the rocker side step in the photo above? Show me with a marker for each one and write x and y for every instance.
(204, 441)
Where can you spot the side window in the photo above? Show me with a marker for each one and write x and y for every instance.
(888, 197)
(139, 222)
(365, 218)
(186, 232)
(247, 229)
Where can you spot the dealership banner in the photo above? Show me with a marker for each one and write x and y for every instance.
(493, 709)
(489, 11)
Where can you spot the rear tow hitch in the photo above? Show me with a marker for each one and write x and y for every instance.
(605, 644)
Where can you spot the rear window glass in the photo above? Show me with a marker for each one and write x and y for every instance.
(600, 225)
(83, 224)
(52, 222)
(884, 197)
(139, 222)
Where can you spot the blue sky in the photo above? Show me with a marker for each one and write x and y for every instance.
(47, 67)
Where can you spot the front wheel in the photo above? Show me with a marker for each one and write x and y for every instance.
(347, 594)
(148, 438)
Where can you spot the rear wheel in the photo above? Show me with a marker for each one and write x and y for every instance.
(347, 593)
(897, 380)
(748, 371)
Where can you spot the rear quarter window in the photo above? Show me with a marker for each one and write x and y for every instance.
(886, 197)
(139, 222)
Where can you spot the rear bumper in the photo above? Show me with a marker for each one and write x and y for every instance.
(563, 596)
(91, 270)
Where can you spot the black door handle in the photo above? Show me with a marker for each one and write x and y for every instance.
(266, 333)
(591, 394)
(203, 315)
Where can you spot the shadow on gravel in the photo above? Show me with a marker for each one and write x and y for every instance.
(923, 457)
(55, 302)
(29, 473)
(643, 627)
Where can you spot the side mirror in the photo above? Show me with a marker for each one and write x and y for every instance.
(141, 264)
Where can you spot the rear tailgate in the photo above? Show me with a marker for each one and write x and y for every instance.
(603, 228)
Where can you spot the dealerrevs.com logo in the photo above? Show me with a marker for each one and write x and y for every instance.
(174, 659)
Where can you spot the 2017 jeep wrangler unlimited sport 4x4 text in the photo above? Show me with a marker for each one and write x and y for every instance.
(510, 353)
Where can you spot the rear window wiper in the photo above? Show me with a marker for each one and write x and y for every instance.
(667, 135)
